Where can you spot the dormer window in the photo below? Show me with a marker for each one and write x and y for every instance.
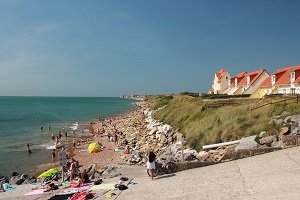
(248, 80)
(292, 77)
(273, 79)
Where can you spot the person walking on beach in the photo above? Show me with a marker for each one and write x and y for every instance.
(116, 137)
(74, 142)
(53, 154)
(28, 149)
(151, 163)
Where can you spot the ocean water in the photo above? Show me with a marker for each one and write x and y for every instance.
(22, 117)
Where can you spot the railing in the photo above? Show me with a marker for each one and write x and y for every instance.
(271, 103)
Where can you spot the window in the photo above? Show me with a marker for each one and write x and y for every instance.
(292, 76)
(273, 79)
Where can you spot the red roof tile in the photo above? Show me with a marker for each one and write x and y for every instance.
(283, 75)
(266, 83)
(221, 73)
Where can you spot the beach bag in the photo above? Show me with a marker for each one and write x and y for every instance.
(122, 187)
(124, 179)
(20, 181)
(98, 182)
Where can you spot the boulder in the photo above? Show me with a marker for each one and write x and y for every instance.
(262, 134)
(296, 119)
(295, 130)
(285, 113)
(176, 147)
(284, 131)
(153, 131)
(203, 155)
(287, 119)
(279, 122)
(166, 128)
(247, 143)
(268, 140)
(276, 144)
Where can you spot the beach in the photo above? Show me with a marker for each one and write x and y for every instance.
(108, 157)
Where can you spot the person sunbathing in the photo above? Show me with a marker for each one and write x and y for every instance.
(77, 183)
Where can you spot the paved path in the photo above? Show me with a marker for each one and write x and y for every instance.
(270, 176)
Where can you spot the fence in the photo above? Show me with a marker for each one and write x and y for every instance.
(271, 103)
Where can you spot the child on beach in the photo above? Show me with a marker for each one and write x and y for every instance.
(151, 163)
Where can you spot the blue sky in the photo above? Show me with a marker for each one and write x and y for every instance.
(109, 48)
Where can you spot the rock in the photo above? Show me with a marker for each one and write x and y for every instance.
(276, 144)
(285, 113)
(247, 143)
(111, 172)
(296, 119)
(287, 119)
(179, 136)
(166, 128)
(262, 134)
(295, 130)
(279, 122)
(176, 147)
(284, 131)
(153, 131)
(170, 140)
(203, 155)
(268, 140)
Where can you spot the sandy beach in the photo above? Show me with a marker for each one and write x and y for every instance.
(106, 158)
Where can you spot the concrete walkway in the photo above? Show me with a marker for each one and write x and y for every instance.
(270, 176)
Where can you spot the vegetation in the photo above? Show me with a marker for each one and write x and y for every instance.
(202, 124)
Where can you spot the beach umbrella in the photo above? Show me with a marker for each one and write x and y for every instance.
(94, 148)
(48, 173)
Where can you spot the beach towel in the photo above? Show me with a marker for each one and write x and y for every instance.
(104, 186)
(80, 196)
(9, 188)
(35, 192)
(74, 190)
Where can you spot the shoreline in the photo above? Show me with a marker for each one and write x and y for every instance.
(92, 126)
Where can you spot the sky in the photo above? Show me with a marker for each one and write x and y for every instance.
(115, 47)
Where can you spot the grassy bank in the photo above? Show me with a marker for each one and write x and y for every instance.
(213, 121)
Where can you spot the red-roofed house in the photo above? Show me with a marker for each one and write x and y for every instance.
(286, 80)
(247, 82)
(221, 82)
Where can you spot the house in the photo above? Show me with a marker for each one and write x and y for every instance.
(221, 82)
(247, 82)
(286, 80)
(265, 88)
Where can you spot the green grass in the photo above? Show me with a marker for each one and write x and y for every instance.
(203, 126)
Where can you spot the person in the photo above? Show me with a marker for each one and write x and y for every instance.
(53, 154)
(74, 142)
(49, 128)
(66, 134)
(52, 137)
(59, 135)
(151, 163)
(78, 183)
(42, 128)
(116, 138)
(85, 177)
(28, 149)
(72, 169)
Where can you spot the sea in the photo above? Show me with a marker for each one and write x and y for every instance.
(21, 119)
